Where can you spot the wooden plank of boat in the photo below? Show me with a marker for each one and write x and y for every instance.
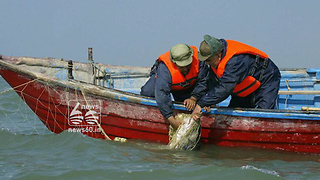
(310, 109)
(305, 92)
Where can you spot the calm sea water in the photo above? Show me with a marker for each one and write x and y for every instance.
(29, 151)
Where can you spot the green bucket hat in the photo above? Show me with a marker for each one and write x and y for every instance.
(181, 54)
(209, 47)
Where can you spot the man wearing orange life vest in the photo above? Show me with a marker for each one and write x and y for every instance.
(175, 72)
(239, 70)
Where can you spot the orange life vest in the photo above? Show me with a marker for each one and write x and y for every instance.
(249, 84)
(180, 82)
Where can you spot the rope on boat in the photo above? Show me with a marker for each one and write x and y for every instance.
(96, 121)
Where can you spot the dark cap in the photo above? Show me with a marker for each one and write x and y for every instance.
(209, 47)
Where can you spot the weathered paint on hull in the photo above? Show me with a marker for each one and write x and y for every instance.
(284, 134)
(120, 118)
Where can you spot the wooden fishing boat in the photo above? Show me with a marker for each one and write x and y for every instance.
(103, 101)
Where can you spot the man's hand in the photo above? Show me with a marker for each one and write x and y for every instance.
(190, 103)
(197, 112)
(174, 122)
(207, 108)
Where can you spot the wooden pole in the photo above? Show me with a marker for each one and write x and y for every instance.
(90, 56)
(310, 109)
(70, 67)
(90, 59)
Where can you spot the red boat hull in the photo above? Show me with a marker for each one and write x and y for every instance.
(120, 118)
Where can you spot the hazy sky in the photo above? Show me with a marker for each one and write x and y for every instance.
(136, 32)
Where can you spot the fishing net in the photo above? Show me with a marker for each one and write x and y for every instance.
(187, 136)
(12, 110)
(15, 115)
(14, 119)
